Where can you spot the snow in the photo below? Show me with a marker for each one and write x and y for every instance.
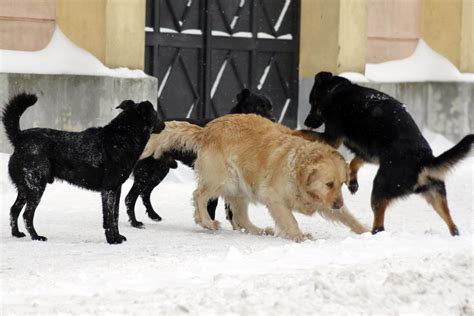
(176, 267)
(61, 56)
(424, 64)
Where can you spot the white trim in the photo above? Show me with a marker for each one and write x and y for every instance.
(264, 76)
(163, 82)
(282, 15)
(283, 112)
(218, 78)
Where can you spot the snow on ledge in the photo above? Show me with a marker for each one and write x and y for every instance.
(424, 64)
(61, 56)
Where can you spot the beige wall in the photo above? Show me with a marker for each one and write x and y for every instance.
(393, 29)
(112, 30)
(83, 22)
(26, 24)
(125, 44)
(448, 27)
(352, 44)
(441, 27)
(467, 37)
(333, 36)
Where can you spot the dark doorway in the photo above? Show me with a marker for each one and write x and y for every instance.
(204, 52)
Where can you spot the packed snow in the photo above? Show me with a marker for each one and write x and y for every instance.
(177, 267)
(424, 64)
(61, 56)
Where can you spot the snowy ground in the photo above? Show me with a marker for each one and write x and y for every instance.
(176, 267)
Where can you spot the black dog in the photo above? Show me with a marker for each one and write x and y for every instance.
(149, 172)
(98, 159)
(377, 128)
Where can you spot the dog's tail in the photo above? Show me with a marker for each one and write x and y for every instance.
(12, 112)
(181, 136)
(440, 165)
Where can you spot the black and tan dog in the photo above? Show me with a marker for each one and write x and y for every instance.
(149, 172)
(97, 159)
(378, 129)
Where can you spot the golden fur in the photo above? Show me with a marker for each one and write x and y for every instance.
(246, 158)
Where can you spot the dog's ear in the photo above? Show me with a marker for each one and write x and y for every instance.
(127, 104)
(322, 76)
(312, 177)
(147, 111)
(244, 94)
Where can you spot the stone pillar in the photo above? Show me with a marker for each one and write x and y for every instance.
(447, 27)
(333, 36)
(112, 30)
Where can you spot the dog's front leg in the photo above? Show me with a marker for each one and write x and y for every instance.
(285, 222)
(355, 165)
(344, 217)
(110, 203)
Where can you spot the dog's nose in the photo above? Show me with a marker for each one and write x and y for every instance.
(337, 204)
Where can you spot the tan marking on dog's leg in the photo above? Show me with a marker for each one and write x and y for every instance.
(201, 196)
(378, 207)
(286, 223)
(241, 219)
(440, 204)
(354, 166)
(345, 217)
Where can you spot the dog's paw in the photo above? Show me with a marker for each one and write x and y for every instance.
(302, 237)
(154, 216)
(39, 238)
(211, 225)
(353, 186)
(113, 237)
(377, 230)
(18, 234)
(137, 224)
(361, 229)
(268, 231)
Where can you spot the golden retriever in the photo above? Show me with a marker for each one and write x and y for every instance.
(246, 158)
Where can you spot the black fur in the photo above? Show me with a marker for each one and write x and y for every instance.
(98, 159)
(378, 129)
(149, 172)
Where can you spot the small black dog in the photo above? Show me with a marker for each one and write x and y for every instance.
(378, 129)
(98, 159)
(149, 172)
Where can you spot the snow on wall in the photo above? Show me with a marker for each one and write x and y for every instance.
(424, 64)
(61, 56)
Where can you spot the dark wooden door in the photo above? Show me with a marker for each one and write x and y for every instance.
(204, 52)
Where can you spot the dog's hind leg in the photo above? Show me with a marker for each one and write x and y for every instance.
(344, 217)
(240, 218)
(379, 205)
(145, 195)
(130, 201)
(14, 213)
(436, 196)
(33, 199)
(201, 196)
(110, 203)
(229, 215)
